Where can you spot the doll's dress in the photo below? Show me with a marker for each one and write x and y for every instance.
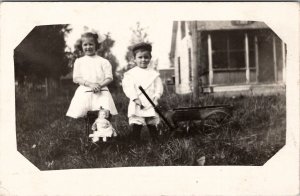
(103, 128)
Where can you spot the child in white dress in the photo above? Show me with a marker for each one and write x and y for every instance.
(93, 73)
(140, 110)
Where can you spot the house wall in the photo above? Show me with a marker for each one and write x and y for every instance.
(253, 76)
(231, 76)
(183, 44)
(279, 52)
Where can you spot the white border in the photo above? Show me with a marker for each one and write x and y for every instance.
(280, 175)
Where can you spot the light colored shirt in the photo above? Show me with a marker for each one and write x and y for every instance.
(93, 69)
(150, 81)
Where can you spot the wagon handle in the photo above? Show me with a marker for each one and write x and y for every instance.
(156, 109)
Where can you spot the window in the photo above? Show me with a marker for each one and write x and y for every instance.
(190, 64)
(179, 71)
(182, 27)
(228, 50)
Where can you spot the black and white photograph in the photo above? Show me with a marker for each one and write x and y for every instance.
(220, 96)
(137, 93)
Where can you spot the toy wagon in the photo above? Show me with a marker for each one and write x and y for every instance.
(215, 119)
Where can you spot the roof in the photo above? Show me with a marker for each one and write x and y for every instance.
(229, 25)
(166, 71)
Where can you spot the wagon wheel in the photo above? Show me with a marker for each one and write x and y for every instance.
(217, 125)
(181, 129)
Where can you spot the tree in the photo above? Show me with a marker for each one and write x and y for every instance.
(105, 52)
(139, 34)
(42, 54)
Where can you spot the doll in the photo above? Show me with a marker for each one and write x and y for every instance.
(102, 127)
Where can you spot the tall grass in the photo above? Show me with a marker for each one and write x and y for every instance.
(51, 140)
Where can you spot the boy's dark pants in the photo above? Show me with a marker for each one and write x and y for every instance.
(136, 132)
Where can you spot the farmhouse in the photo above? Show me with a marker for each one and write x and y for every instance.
(226, 56)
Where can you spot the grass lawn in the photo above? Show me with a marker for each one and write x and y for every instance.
(50, 140)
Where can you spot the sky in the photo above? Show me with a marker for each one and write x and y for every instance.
(159, 34)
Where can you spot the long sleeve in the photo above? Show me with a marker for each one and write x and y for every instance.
(129, 87)
(158, 88)
(76, 72)
(107, 69)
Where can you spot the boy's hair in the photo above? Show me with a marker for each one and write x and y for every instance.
(143, 46)
(95, 36)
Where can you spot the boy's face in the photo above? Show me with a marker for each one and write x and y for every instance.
(88, 46)
(142, 58)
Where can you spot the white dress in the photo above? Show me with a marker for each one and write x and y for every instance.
(93, 69)
(150, 81)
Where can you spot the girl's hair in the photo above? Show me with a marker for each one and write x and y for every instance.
(95, 36)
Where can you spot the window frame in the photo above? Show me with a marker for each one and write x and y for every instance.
(179, 70)
(190, 63)
(183, 29)
(229, 51)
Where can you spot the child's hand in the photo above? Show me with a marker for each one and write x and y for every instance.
(155, 101)
(138, 102)
(95, 87)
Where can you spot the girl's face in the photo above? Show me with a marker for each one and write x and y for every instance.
(142, 58)
(88, 46)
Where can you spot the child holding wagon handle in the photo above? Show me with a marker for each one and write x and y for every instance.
(93, 73)
(140, 110)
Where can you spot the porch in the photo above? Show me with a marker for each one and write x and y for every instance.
(241, 60)
(246, 89)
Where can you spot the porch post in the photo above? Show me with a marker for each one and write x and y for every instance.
(283, 61)
(256, 58)
(274, 58)
(195, 74)
(247, 58)
(210, 61)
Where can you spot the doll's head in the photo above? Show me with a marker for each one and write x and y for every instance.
(103, 114)
(142, 54)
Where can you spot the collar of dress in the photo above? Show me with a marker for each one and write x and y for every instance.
(143, 77)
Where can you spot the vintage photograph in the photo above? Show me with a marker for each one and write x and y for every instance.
(150, 93)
